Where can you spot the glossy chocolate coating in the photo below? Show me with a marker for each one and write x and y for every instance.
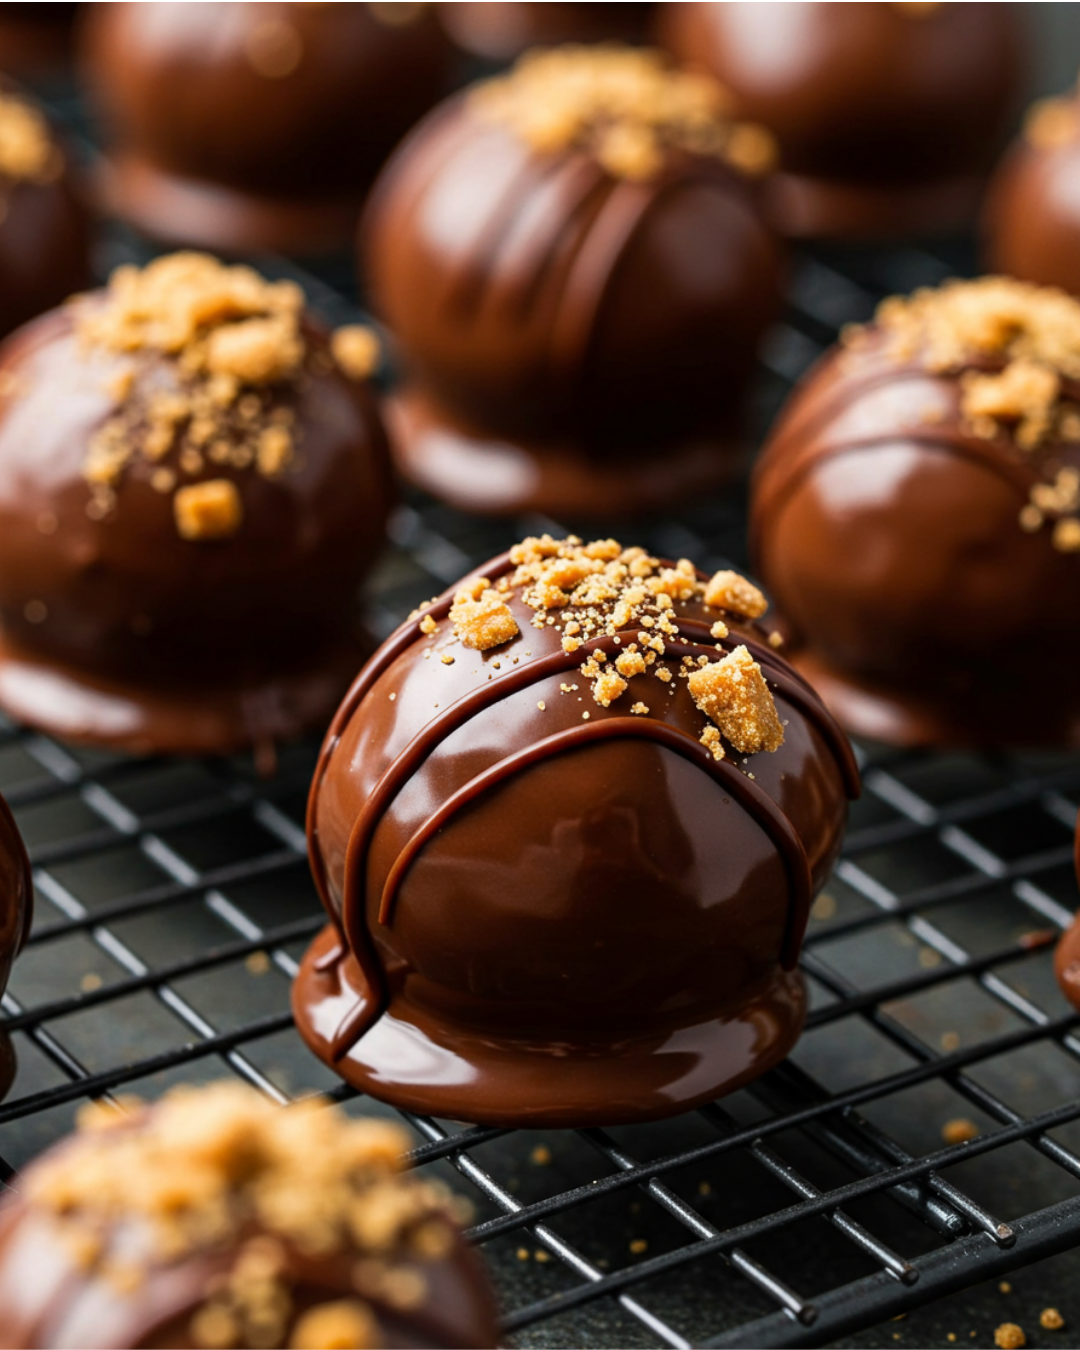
(241, 127)
(147, 641)
(541, 307)
(604, 927)
(501, 31)
(44, 244)
(48, 1302)
(890, 541)
(887, 117)
(1031, 224)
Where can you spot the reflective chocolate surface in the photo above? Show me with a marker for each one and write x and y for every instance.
(547, 911)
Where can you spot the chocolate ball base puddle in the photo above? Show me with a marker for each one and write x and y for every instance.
(141, 718)
(477, 471)
(803, 207)
(202, 214)
(419, 1064)
(902, 718)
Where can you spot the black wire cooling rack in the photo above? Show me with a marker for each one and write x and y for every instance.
(174, 901)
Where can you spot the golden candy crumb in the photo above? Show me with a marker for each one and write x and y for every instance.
(209, 510)
(728, 590)
(733, 694)
(356, 349)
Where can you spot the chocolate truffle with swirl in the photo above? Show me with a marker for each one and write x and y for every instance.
(567, 826)
(217, 1219)
(44, 243)
(1031, 224)
(887, 115)
(574, 264)
(916, 514)
(193, 480)
(246, 127)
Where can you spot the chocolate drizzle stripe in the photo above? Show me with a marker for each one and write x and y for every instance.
(754, 799)
(619, 218)
(382, 660)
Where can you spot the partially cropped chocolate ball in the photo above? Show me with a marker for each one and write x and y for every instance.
(1067, 955)
(193, 480)
(242, 127)
(1031, 223)
(916, 516)
(887, 115)
(574, 263)
(567, 826)
(44, 244)
(499, 31)
(215, 1219)
(16, 896)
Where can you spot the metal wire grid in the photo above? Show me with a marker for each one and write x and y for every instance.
(173, 902)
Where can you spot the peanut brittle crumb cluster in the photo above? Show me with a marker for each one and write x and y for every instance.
(212, 356)
(600, 589)
(1028, 337)
(28, 153)
(204, 1169)
(625, 107)
(1009, 1336)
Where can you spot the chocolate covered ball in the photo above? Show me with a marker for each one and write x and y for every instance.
(499, 31)
(1067, 954)
(44, 245)
(887, 115)
(1031, 224)
(916, 516)
(216, 1219)
(575, 267)
(16, 895)
(193, 480)
(567, 826)
(242, 127)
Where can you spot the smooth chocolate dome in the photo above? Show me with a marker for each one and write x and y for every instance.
(1031, 223)
(914, 517)
(887, 115)
(242, 127)
(499, 31)
(44, 234)
(576, 291)
(561, 891)
(215, 1218)
(180, 550)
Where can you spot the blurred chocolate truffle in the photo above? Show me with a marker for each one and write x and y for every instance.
(574, 264)
(44, 243)
(567, 826)
(242, 127)
(887, 115)
(216, 1219)
(16, 895)
(1031, 224)
(916, 516)
(193, 480)
(499, 31)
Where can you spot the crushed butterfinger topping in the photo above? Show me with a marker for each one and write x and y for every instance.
(732, 692)
(1015, 350)
(629, 108)
(28, 153)
(1009, 1336)
(222, 1169)
(208, 510)
(584, 591)
(211, 358)
(481, 617)
(356, 350)
(729, 590)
